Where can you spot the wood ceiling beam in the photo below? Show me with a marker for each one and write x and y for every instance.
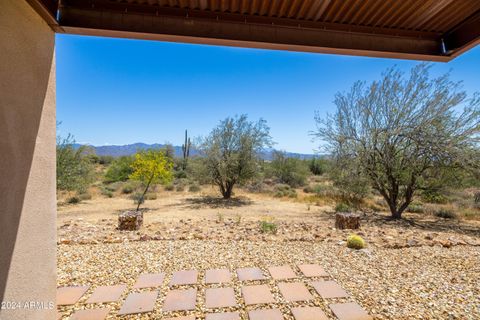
(246, 34)
(47, 9)
(463, 37)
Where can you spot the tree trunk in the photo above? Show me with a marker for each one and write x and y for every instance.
(140, 201)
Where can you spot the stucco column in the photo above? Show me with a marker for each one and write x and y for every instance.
(27, 164)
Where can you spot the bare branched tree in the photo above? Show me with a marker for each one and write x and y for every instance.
(401, 131)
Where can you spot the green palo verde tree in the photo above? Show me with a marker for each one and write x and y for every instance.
(151, 167)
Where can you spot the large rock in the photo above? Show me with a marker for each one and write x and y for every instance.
(130, 220)
(347, 220)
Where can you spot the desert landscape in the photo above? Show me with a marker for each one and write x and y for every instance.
(383, 225)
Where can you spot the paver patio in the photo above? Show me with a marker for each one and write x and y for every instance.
(70, 295)
(184, 277)
(220, 298)
(223, 316)
(217, 276)
(295, 291)
(265, 314)
(149, 280)
(90, 314)
(107, 294)
(308, 313)
(329, 289)
(139, 303)
(286, 286)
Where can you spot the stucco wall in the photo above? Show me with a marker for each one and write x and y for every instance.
(27, 163)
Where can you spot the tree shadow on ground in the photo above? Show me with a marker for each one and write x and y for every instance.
(426, 223)
(217, 203)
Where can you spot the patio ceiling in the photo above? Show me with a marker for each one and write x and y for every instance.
(436, 30)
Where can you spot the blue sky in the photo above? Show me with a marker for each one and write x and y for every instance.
(118, 91)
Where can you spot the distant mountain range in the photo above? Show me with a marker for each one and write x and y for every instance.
(129, 149)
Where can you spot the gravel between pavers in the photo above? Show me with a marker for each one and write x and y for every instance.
(409, 283)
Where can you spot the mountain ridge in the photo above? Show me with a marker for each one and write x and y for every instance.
(130, 149)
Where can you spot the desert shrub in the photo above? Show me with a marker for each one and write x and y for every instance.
(180, 188)
(194, 188)
(150, 196)
(355, 242)
(106, 192)
(470, 214)
(342, 207)
(289, 171)
(268, 226)
(73, 200)
(169, 187)
(256, 187)
(434, 196)
(180, 174)
(238, 219)
(85, 196)
(445, 213)
(75, 170)
(476, 197)
(120, 169)
(317, 166)
(317, 189)
(351, 184)
(415, 208)
(137, 198)
(128, 188)
(284, 190)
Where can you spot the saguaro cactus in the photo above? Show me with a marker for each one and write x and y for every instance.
(186, 150)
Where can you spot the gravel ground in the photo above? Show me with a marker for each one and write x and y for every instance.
(428, 282)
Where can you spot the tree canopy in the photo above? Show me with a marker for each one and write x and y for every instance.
(151, 167)
(232, 150)
(402, 132)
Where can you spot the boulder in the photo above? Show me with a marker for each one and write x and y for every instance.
(130, 220)
(347, 220)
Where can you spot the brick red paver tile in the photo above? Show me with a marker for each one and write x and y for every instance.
(223, 316)
(70, 295)
(177, 300)
(217, 276)
(139, 303)
(90, 314)
(309, 313)
(312, 270)
(248, 274)
(107, 294)
(184, 277)
(181, 318)
(149, 280)
(349, 311)
(329, 289)
(265, 314)
(220, 298)
(282, 273)
(295, 291)
(257, 294)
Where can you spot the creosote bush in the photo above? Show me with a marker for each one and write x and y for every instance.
(445, 213)
(194, 188)
(169, 187)
(73, 200)
(355, 242)
(284, 190)
(268, 226)
(342, 207)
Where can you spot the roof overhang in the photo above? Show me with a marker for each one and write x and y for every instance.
(324, 26)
